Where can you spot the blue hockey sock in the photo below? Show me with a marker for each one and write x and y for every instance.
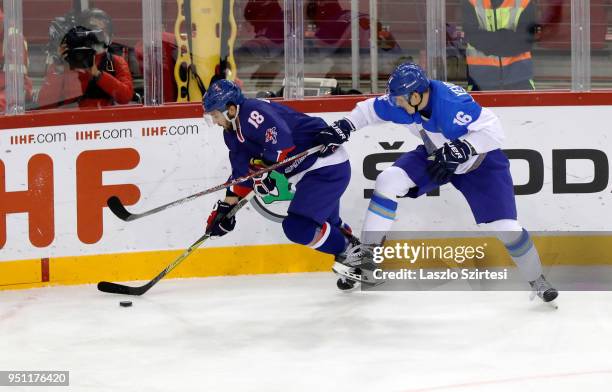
(325, 238)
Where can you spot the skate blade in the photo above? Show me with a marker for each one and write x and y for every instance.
(553, 304)
(346, 272)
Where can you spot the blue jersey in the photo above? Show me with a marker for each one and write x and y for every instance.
(452, 110)
(272, 132)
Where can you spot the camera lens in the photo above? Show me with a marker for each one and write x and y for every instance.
(80, 58)
(81, 43)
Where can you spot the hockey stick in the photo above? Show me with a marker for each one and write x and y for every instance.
(117, 207)
(116, 288)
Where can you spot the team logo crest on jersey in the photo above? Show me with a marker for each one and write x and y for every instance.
(271, 135)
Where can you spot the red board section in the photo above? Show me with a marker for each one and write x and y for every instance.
(44, 270)
(45, 118)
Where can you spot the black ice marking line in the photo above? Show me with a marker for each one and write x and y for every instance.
(117, 207)
(116, 288)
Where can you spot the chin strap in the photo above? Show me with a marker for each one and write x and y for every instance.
(416, 107)
(232, 120)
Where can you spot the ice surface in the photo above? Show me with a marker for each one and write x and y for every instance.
(297, 332)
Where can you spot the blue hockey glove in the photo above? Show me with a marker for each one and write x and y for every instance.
(262, 184)
(446, 159)
(334, 135)
(218, 224)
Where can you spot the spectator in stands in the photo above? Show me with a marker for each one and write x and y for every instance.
(27, 81)
(500, 36)
(90, 76)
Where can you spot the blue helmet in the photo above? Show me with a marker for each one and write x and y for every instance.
(406, 79)
(220, 94)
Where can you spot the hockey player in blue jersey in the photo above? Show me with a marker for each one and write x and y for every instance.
(461, 145)
(259, 133)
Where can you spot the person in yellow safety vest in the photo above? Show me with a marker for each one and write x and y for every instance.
(500, 35)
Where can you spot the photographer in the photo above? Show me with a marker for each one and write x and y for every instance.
(89, 76)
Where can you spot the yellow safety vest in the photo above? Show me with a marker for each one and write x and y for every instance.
(495, 70)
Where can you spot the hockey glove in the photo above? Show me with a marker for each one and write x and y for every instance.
(334, 135)
(262, 184)
(218, 224)
(446, 159)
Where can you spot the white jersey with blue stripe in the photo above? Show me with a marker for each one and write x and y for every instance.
(453, 115)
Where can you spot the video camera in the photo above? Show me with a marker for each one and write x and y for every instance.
(57, 30)
(82, 45)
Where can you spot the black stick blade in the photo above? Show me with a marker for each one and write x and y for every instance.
(115, 205)
(115, 288)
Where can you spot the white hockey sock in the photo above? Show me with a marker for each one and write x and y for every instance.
(381, 212)
(378, 219)
(525, 255)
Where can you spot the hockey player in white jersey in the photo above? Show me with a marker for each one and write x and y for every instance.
(461, 145)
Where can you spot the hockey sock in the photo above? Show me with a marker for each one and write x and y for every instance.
(325, 238)
(329, 239)
(525, 256)
(379, 219)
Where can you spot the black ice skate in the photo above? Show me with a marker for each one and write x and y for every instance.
(543, 289)
(355, 265)
(344, 283)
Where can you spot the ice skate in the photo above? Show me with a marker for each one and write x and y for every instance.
(355, 264)
(543, 289)
(343, 283)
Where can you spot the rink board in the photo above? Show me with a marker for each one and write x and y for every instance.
(152, 157)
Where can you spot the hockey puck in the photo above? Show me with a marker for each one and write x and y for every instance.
(125, 304)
